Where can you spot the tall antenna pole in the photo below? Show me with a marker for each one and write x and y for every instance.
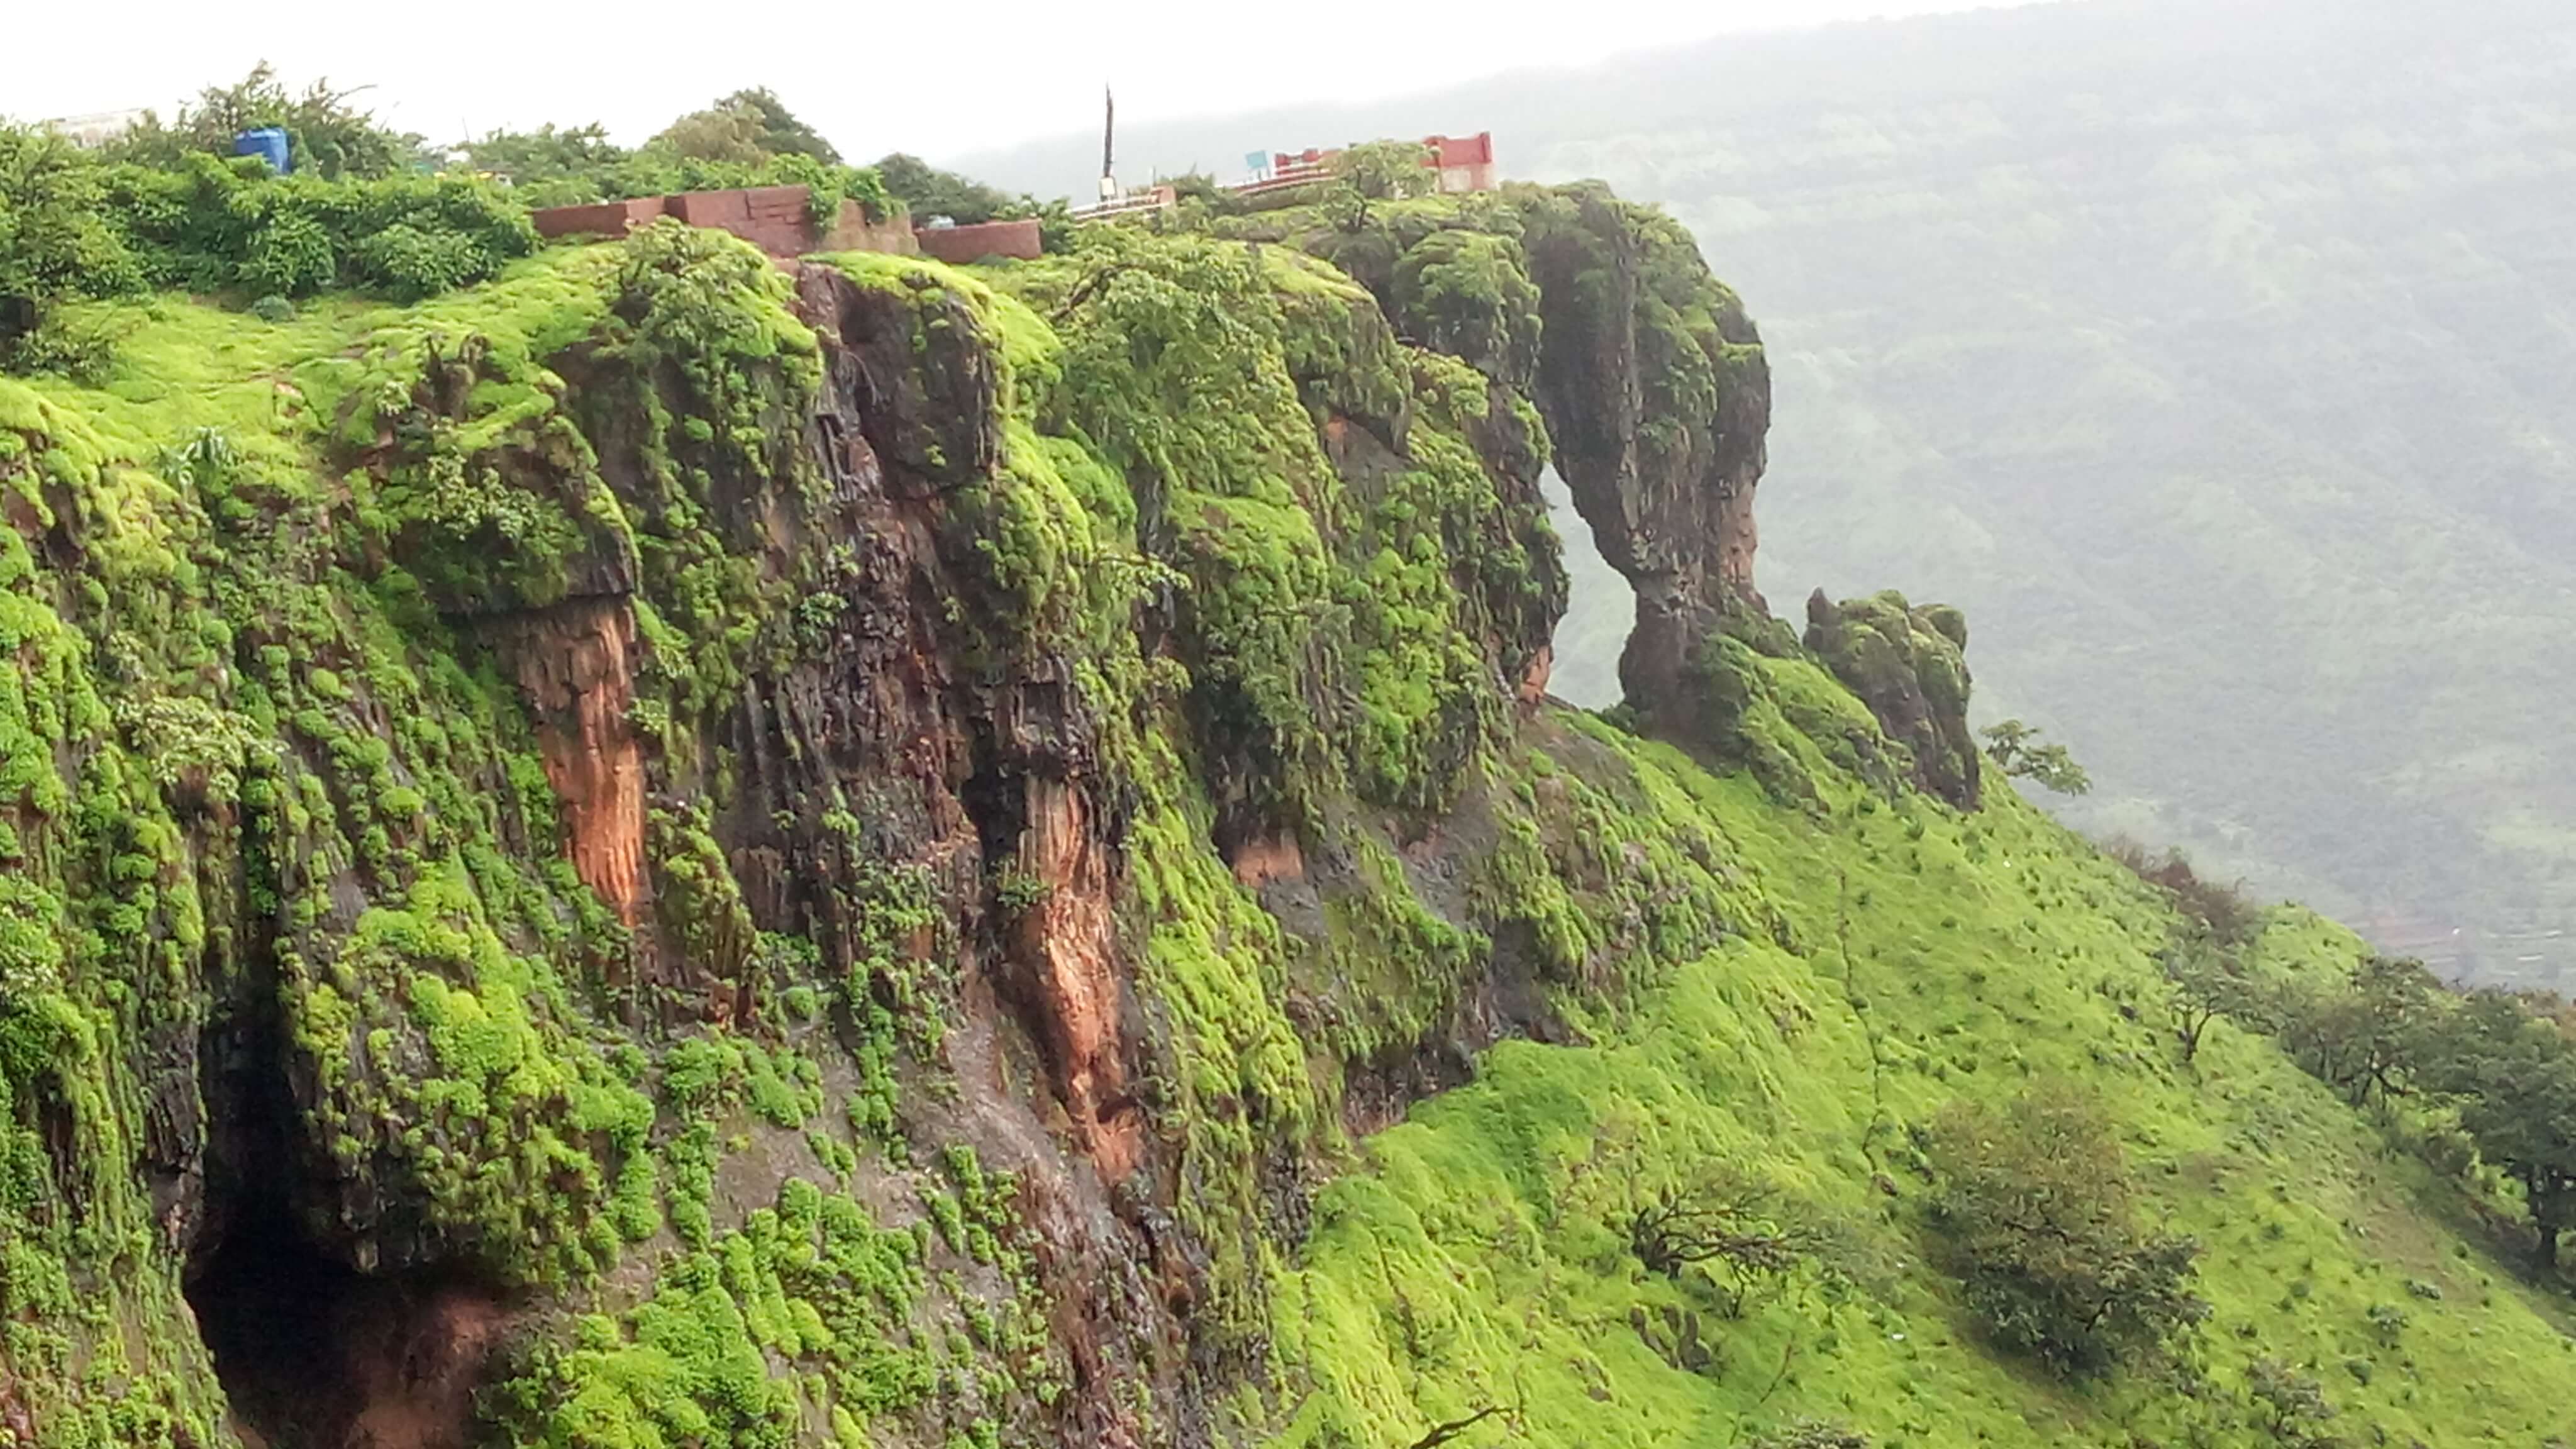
(1108, 139)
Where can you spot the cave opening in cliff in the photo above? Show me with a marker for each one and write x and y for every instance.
(268, 1303)
(313, 1353)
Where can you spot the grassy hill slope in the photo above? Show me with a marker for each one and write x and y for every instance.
(1926, 957)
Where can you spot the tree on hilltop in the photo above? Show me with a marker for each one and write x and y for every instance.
(1375, 171)
(746, 128)
(782, 131)
(551, 165)
(927, 191)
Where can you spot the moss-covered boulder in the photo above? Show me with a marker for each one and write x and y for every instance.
(1910, 666)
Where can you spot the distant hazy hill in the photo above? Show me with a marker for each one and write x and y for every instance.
(2220, 359)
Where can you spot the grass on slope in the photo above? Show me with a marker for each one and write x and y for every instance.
(275, 386)
(1476, 1262)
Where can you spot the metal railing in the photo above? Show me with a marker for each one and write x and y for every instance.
(1133, 204)
(1152, 199)
(1280, 178)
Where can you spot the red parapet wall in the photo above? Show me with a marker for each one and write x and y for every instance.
(1465, 163)
(958, 245)
(776, 219)
(606, 218)
(1449, 151)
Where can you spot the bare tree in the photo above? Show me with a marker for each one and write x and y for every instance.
(1722, 1220)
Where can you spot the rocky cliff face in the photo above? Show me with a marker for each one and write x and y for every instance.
(1647, 371)
(675, 852)
(1655, 388)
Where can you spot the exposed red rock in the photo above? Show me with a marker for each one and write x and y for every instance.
(1266, 858)
(1070, 938)
(576, 666)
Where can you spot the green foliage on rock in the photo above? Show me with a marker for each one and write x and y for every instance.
(1397, 577)
(812, 1284)
(1471, 294)
(1910, 666)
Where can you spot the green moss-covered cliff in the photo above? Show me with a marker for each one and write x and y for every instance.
(669, 851)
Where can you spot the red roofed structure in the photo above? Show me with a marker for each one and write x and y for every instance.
(1465, 163)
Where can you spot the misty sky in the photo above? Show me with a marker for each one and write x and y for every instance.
(935, 79)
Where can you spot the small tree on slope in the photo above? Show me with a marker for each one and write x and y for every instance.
(2036, 1213)
(2512, 1076)
(2016, 749)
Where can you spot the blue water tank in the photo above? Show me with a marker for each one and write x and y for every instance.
(268, 144)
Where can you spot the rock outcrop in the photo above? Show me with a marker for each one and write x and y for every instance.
(1649, 377)
(1658, 397)
(1909, 665)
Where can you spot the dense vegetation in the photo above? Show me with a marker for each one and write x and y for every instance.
(2218, 368)
(167, 205)
(1790, 1101)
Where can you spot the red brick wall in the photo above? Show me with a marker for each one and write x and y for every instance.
(960, 244)
(772, 218)
(607, 218)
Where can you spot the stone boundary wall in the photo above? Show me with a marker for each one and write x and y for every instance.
(773, 218)
(961, 244)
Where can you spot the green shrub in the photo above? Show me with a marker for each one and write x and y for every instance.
(408, 263)
(290, 255)
(2290, 1406)
(56, 245)
(1811, 1434)
(216, 225)
(2036, 1215)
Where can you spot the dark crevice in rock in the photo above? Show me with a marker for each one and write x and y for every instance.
(311, 1352)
